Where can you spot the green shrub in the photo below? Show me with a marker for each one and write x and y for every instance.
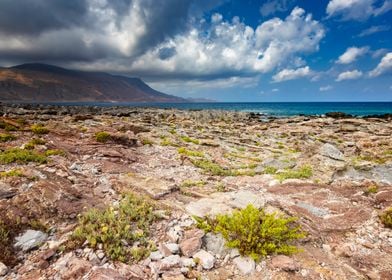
(304, 172)
(118, 229)
(11, 173)
(32, 143)
(270, 170)
(54, 152)
(386, 218)
(21, 156)
(102, 136)
(255, 233)
(211, 167)
(371, 189)
(190, 183)
(187, 139)
(7, 137)
(39, 129)
(7, 126)
(146, 141)
(189, 153)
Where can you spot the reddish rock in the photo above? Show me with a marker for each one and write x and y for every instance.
(284, 263)
(105, 274)
(77, 268)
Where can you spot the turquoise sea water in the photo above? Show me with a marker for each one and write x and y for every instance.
(278, 109)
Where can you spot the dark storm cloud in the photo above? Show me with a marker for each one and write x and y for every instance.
(31, 17)
(72, 30)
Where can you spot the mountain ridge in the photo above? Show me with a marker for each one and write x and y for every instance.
(38, 82)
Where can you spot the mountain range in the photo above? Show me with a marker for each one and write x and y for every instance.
(35, 82)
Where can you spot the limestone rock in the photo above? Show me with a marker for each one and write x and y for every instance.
(3, 269)
(245, 265)
(206, 260)
(285, 263)
(329, 150)
(30, 239)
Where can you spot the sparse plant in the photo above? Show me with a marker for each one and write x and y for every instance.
(188, 139)
(371, 190)
(254, 232)
(386, 218)
(102, 136)
(270, 170)
(189, 153)
(7, 137)
(303, 172)
(11, 173)
(39, 129)
(54, 152)
(123, 231)
(146, 141)
(21, 156)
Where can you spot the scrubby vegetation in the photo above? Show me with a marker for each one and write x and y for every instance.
(189, 153)
(21, 156)
(123, 231)
(54, 152)
(7, 137)
(146, 141)
(255, 233)
(7, 126)
(39, 129)
(102, 136)
(213, 168)
(188, 139)
(386, 217)
(303, 172)
(34, 142)
(11, 173)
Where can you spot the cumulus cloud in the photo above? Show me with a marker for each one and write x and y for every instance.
(292, 74)
(221, 49)
(357, 9)
(351, 54)
(385, 66)
(326, 88)
(349, 75)
(273, 6)
(171, 40)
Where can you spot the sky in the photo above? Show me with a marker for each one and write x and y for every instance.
(225, 50)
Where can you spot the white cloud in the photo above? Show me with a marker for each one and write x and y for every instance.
(291, 74)
(275, 90)
(222, 49)
(383, 67)
(326, 88)
(351, 54)
(357, 9)
(349, 75)
(374, 29)
(273, 6)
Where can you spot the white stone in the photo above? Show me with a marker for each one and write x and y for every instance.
(156, 255)
(245, 265)
(3, 269)
(173, 247)
(207, 260)
(30, 239)
(187, 262)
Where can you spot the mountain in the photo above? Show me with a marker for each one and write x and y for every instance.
(37, 82)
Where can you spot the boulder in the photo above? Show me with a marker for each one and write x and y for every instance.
(30, 239)
(329, 150)
(206, 260)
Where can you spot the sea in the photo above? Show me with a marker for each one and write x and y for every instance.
(276, 109)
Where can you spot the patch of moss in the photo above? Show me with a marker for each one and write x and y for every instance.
(190, 183)
(54, 152)
(32, 143)
(103, 136)
(7, 126)
(304, 172)
(39, 129)
(189, 153)
(11, 173)
(123, 231)
(21, 156)
(270, 170)
(188, 139)
(254, 232)
(386, 218)
(167, 142)
(211, 167)
(146, 141)
(7, 137)
(371, 190)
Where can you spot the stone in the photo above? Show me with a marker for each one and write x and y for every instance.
(156, 256)
(190, 246)
(187, 262)
(173, 247)
(30, 239)
(76, 269)
(173, 276)
(3, 269)
(329, 150)
(154, 187)
(169, 262)
(284, 263)
(206, 260)
(215, 243)
(105, 274)
(245, 265)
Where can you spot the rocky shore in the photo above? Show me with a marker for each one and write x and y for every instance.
(333, 172)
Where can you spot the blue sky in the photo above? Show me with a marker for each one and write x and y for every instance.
(226, 50)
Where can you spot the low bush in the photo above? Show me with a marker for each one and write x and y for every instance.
(39, 129)
(21, 156)
(102, 136)
(7, 137)
(54, 152)
(304, 172)
(188, 139)
(11, 173)
(255, 233)
(123, 231)
(189, 153)
(386, 217)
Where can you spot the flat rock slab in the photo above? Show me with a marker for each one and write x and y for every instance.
(221, 203)
(154, 187)
(30, 239)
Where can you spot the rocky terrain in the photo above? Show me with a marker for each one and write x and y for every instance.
(333, 173)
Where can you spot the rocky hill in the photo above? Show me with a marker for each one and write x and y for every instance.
(47, 83)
